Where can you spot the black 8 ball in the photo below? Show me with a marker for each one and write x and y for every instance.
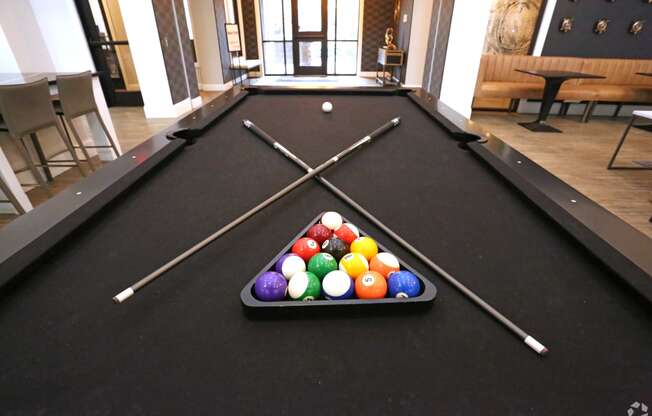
(335, 247)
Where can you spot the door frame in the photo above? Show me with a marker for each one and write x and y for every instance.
(310, 37)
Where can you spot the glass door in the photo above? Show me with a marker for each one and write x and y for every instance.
(309, 41)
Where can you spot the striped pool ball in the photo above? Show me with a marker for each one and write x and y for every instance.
(385, 264)
(304, 286)
(354, 264)
(289, 264)
(347, 232)
(337, 285)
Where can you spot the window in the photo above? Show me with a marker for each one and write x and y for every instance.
(342, 35)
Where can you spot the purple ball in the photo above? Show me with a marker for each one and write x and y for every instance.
(271, 286)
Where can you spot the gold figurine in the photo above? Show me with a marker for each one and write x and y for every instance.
(389, 38)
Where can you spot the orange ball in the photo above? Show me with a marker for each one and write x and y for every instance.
(370, 285)
(384, 263)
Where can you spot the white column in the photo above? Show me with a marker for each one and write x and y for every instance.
(465, 43)
(421, 16)
(204, 28)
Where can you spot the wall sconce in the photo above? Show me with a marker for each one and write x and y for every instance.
(637, 27)
(566, 24)
(601, 26)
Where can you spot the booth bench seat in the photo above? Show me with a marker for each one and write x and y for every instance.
(498, 78)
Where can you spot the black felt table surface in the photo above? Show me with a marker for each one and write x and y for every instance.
(184, 346)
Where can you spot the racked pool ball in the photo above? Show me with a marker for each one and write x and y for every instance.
(403, 284)
(304, 286)
(332, 220)
(384, 263)
(370, 285)
(305, 248)
(321, 264)
(366, 246)
(347, 232)
(337, 285)
(289, 264)
(335, 247)
(270, 286)
(354, 264)
(319, 233)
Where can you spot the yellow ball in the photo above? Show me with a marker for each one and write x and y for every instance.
(354, 264)
(365, 246)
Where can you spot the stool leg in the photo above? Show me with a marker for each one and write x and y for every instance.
(588, 111)
(79, 141)
(70, 149)
(30, 164)
(108, 136)
(12, 198)
(620, 143)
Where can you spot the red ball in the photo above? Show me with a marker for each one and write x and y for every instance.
(305, 248)
(347, 232)
(319, 233)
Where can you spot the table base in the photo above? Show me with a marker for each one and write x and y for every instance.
(539, 126)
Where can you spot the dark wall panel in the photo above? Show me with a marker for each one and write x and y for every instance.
(378, 16)
(617, 42)
(187, 47)
(167, 32)
(225, 57)
(440, 25)
(249, 29)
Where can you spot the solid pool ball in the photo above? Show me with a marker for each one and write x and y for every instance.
(354, 264)
(371, 285)
(403, 284)
(270, 286)
(337, 285)
(304, 286)
(319, 233)
(305, 248)
(347, 232)
(332, 220)
(321, 264)
(289, 264)
(365, 246)
(327, 107)
(335, 247)
(384, 263)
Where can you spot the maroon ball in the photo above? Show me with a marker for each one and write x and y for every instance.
(319, 233)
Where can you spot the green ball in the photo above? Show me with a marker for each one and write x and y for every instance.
(321, 264)
(304, 286)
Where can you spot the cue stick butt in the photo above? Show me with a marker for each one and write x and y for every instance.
(396, 121)
(124, 295)
(536, 345)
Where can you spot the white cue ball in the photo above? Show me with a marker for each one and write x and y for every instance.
(327, 107)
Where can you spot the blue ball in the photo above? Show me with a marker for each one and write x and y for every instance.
(403, 284)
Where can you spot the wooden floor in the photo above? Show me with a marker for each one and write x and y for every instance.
(132, 128)
(579, 157)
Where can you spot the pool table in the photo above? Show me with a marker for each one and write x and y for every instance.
(554, 262)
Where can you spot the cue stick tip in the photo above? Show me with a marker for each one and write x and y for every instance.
(536, 345)
(124, 295)
(247, 123)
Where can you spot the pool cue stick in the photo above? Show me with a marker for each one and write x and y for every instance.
(127, 293)
(528, 339)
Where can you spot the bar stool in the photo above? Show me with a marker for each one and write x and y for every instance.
(635, 115)
(11, 198)
(76, 98)
(26, 109)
